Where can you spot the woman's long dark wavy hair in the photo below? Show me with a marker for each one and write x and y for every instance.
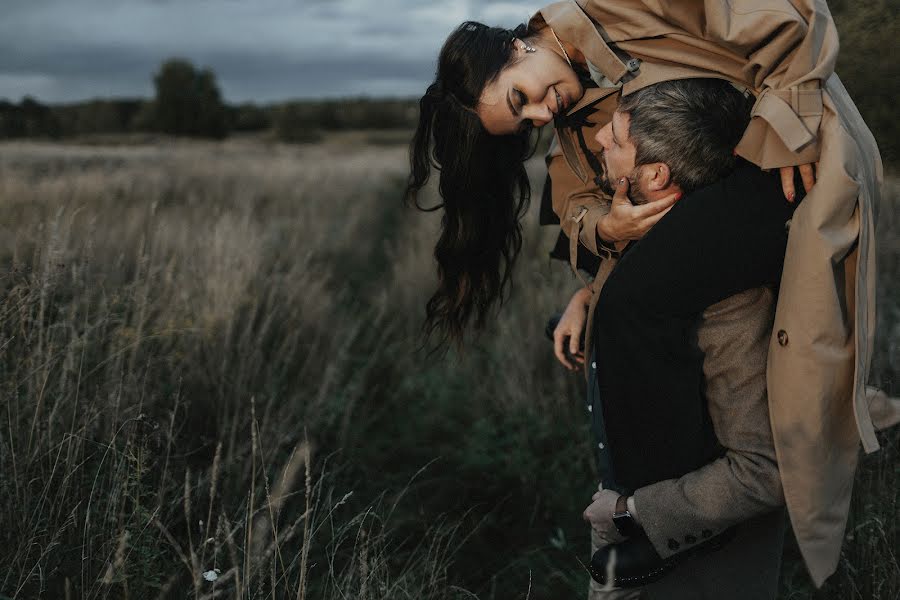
(482, 181)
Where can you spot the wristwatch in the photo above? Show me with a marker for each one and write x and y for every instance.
(623, 519)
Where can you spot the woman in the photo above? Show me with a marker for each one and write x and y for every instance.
(493, 87)
(781, 51)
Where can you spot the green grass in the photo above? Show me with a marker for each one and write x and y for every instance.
(209, 360)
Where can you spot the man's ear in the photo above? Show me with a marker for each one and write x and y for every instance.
(659, 177)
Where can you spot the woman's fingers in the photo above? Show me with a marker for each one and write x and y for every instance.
(652, 220)
(558, 339)
(787, 183)
(574, 343)
(657, 206)
(808, 176)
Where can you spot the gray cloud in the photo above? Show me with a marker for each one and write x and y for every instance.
(263, 50)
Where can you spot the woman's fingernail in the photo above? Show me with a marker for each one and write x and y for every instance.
(791, 197)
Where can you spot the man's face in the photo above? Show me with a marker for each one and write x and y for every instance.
(618, 153)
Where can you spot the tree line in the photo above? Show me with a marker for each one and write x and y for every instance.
(188, 101)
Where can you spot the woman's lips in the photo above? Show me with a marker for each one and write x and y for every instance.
(560, 101)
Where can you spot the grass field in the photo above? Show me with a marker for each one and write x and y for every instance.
(213, 389)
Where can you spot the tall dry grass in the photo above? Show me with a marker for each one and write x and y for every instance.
(208, 355)
(176, 327)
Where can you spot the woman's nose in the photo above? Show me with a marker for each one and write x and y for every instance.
(540, 114)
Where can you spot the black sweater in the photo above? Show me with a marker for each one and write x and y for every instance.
(715, 242)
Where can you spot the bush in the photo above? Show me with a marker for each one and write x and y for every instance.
(188, 101)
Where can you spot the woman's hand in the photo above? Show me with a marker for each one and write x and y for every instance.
(570, 325)
(626, 221)
(807, 174)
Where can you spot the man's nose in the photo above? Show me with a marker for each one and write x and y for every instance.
(604, 135)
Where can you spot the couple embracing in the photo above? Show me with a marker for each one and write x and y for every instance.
(714, 186)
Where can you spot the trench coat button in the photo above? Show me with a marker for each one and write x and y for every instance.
(706, 533)
(782, 337)
(673, 545)
(689, 539)
(633, 65)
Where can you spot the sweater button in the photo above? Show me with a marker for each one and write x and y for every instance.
(673, 545)
(782, 337)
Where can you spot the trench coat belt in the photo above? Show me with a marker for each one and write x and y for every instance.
(606, 267)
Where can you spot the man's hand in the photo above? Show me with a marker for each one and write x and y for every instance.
(570, 325)
(626, 221)
(807, 174)
(600, 513)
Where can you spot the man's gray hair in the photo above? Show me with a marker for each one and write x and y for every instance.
(692, 125)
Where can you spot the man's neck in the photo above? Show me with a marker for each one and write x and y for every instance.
(649, 196)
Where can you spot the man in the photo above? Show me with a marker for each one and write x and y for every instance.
(784, 52)
(673, 138)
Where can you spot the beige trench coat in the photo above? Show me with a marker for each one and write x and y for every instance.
(783, 52)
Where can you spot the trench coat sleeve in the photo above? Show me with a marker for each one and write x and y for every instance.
(790, 47)
(573, 197)
(787, 47)
(678, 514)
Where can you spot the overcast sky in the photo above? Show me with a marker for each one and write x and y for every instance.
(64, 50)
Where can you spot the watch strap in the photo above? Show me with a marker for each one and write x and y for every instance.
(621, 504)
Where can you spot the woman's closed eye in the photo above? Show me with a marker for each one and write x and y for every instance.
(516, 101)
(521, 98)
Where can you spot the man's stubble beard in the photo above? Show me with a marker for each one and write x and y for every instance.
(635, 191)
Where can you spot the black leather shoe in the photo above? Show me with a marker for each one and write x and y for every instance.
(638, 563)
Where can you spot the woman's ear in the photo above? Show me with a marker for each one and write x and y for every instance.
(523, 46)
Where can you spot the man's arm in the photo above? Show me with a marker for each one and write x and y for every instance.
(679, 513)
(718, 247)
(572, 197)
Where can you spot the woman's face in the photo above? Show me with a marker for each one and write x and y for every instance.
(535, 87)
